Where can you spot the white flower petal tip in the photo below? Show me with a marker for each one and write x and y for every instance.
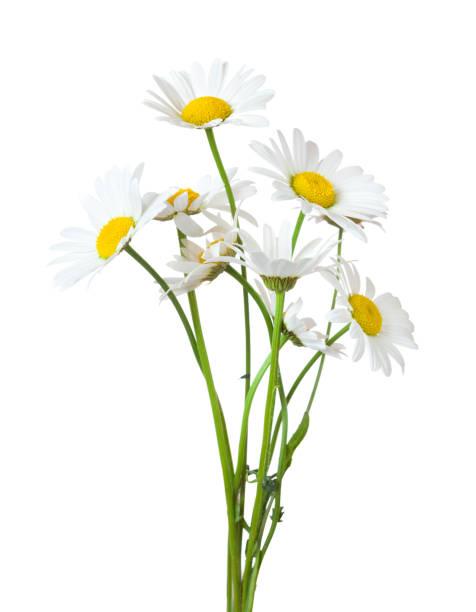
(377, 324)
(116, 213)
(344, 197)
(197, 100)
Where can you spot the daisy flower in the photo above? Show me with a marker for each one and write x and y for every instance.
(199, 263)
(344, 197)
(376, 323)
(116, 214)
(208, 193)
(299, 331)
(194, 99)
(275, 262)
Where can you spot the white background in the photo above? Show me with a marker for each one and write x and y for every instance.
(110, 484)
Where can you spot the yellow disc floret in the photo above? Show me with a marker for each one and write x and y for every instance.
(314, 188)
(111, 234)
(192, 196)
(366, 314)
(207, 108)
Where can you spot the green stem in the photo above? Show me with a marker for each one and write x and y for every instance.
(329, 327)
(312, 361)
(297, 229)
(240, 464)
(231, 199)
(257, 509)
(225, 456)
(298, 380)
(170, 294)
(255, 295)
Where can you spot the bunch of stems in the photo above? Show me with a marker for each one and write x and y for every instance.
(244, 562)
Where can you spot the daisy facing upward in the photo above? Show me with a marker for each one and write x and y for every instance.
(194, 99)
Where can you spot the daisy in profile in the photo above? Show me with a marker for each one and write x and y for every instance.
(116, 214)
(275, 262)
(342, 196)
(208, 194)
(199, 263)
(194, 99)
(378, 324)
(299, 331)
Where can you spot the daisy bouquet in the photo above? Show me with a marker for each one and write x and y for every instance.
(213, 228)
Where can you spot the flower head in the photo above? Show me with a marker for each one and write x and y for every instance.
(344, 197)
(199, 263)
(377, 323)
(299, 330)
(275, 262)
(116, 214)
(208, 194)
(194, 99)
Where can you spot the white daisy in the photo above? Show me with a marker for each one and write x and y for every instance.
(194, 100)
(275, 262)
(116, 214)
(199, 263)
(299, 331)
(377, 323)
(208, 193)
(344, 197)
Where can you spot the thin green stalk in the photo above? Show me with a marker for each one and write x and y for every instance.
(255, 295)
(170, 294)
(329, 327)
(225, 457)
(246, 304)
(257, 509)
(297, 229)
(221, 169)
(283, 415)
(298, 380)
(241, 461)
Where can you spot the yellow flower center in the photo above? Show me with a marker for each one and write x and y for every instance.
(314, 188)
(205, 109)
(201, 259)
(366, 314)
(192, 196)
(111, 234)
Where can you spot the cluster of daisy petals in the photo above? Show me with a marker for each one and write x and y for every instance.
(344, 197)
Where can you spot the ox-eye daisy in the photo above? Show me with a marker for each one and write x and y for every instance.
(199, 263)
(275, 262)
(116, 214)
(299, 331)
(344, 197)
(376, 323)
(194, 99)
(208, 193)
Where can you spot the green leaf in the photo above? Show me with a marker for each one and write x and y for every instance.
(296, 439)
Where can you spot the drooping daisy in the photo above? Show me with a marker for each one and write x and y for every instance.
(116, 214)
(345, 197)
(208, 193)
(377, 323)
(199, 263)
(274, 262)
(299, 331)
(194, 100)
